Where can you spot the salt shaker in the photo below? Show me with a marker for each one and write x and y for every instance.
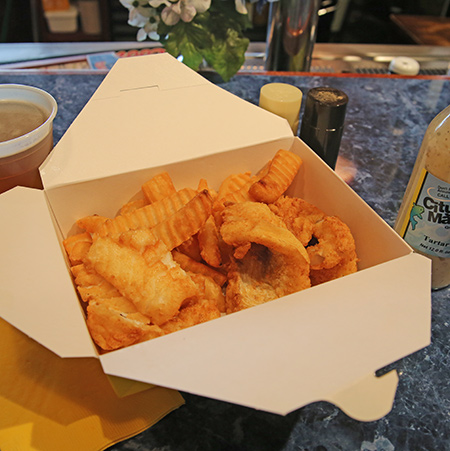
(283, 100)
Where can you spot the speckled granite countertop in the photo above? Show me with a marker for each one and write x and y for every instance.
(385, 123)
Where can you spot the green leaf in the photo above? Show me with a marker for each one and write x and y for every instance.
(185, 39)
(215, 36)
(227, 57)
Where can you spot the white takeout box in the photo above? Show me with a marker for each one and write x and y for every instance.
(150, 114)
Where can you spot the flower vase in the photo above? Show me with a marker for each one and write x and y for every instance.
(291, 35)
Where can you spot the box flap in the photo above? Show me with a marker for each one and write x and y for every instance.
(34, 277)
(370, 398)
(150, 111)
(320, 350)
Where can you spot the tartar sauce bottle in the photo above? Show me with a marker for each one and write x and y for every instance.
(424, 216)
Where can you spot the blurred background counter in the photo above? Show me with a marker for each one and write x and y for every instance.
(385, 122)
(356, 36)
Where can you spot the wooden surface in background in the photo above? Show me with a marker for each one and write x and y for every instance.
(424, 30)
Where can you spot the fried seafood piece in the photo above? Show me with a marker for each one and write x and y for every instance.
(298, 215)
(328, 241)
(77, 246)
(344, 268)
(92, 286)
(269, 261)
(335, 244)
(253, 222)
(114, 323)
(277, 178)
(210, 290)
(157, 290)
(195, 312)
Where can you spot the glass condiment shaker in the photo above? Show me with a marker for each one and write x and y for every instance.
(424, 216)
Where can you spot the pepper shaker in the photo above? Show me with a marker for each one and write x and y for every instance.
(323, 122)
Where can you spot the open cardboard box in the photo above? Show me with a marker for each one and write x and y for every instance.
(151, 114)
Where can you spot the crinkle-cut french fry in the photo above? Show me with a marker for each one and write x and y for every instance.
(148, 216)
(158, 187)
(77, 247)
(203, 185)
(190, 265)
(208, 240)
(131, 206)
(191, 248)
(111, 328)
(276, 181)
(156, 290)
(91, 224)
(194, 313)
(235, 190)
(233, 183)
(186, 222)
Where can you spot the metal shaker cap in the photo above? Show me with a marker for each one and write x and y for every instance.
(325, 108)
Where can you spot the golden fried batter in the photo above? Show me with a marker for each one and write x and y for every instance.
(194, 313)
(156, 290)
(112, 327)
(298, 215)
(328, 241)
(272, 262)
(335, 244)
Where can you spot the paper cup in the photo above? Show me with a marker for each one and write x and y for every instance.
(21, 157)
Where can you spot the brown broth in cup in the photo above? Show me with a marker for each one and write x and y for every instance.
(17, 118)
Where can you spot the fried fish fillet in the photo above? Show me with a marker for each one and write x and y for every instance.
(156, 290)
(269, 261)
(196, 312)
(113, 326)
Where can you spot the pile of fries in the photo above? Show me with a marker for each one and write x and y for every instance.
(176, 258)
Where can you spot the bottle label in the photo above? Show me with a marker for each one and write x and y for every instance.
(427, 227)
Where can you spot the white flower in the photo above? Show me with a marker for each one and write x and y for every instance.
(240, 6)
(183, 9)
(150, 28)
(137, 7)
(157, 3)
(143, 17)
(136, 19)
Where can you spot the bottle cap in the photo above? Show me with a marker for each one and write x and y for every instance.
(325, 108)
(403, 65)
(283, 100)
